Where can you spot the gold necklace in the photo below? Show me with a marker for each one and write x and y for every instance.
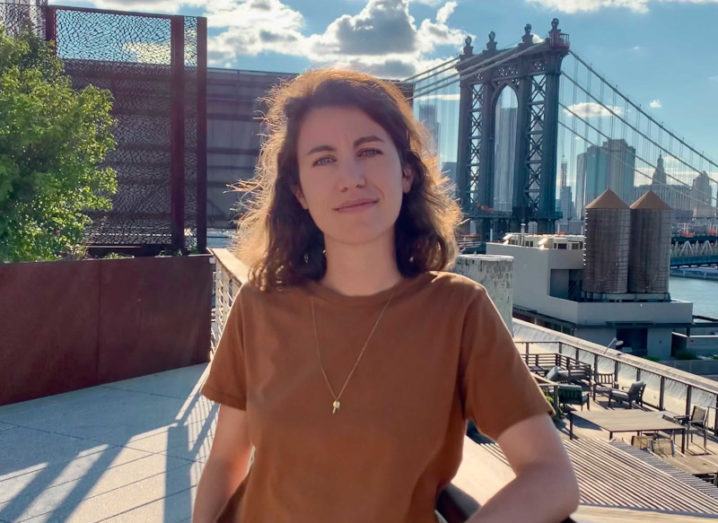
(336, 404)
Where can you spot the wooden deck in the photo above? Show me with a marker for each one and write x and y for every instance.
(617, 482)
(583, 429)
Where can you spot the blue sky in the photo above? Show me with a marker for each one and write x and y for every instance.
(660, 51)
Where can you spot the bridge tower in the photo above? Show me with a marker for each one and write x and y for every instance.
(532, 70)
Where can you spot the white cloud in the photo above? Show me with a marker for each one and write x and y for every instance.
(655, 104)
(252, 27)
(381, 26)
(713, 78)
(443, 14)
(591, 110)
(382, 38)
(637, 6)
(149, 52)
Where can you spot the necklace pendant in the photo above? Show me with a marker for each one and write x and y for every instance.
(336, 406)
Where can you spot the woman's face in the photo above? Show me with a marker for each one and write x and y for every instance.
(347, 158)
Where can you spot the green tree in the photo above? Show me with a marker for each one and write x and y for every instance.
(53, 139)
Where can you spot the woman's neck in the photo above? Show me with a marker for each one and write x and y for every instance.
(361, 270)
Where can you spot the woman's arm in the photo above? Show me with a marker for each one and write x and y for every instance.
(545, 488)
(226, 466)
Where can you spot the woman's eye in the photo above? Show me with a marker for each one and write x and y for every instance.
(369, 152)
(324, 160)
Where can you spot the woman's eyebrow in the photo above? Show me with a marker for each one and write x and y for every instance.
(359, 141)
(367, 139)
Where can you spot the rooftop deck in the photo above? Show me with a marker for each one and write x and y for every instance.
(133, 451)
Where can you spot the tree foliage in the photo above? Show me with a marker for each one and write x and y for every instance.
(53, 140)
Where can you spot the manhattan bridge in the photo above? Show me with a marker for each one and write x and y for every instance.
(512, 125)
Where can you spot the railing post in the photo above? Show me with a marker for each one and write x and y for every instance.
(526, 350)
(638, 374)
(51, 26)
(662, 392)
(715, 418)
(560, 347)
(689, 390)
(615, 371)
(177, 135)
(595, 363)
(577, 353)
(201, 122)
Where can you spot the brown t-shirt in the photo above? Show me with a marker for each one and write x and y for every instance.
(441, 355)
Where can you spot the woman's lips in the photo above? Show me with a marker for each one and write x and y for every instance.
(357, 208)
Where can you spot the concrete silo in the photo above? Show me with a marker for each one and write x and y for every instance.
(608, 232)
(649, 259)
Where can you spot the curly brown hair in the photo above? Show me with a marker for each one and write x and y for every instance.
(279, 240)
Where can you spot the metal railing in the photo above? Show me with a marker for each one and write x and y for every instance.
(662, 392)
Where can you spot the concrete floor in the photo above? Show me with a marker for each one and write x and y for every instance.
(128, 451)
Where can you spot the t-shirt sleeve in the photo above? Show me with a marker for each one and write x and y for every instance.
(497, 387)
(226, 382)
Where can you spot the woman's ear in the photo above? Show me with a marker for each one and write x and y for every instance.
(407, 178)
(299, 195)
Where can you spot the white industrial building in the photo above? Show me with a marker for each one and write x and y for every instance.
(547, 276)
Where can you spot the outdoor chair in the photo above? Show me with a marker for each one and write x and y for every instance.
(580, 374)
(633, 395)
(603, 382)
(663, 447)
(641, 442)
(697, 419)
(557, 374)
(573, 395)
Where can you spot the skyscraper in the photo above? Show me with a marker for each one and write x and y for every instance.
(504, 155)
(610, 166)
(702, 196)
(621, 168)
(659, 183)
(427, 116)
(566, 205)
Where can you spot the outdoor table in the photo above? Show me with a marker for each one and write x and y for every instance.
(629, 420)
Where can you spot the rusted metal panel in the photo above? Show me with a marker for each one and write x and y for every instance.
(69, 325)
(155, 315)
(48, 335)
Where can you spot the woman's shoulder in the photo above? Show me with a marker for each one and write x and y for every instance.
(456, 285)
(453, 280)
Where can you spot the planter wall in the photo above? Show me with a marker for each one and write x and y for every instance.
(73, 324)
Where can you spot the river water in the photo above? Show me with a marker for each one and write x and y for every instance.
(703, 294)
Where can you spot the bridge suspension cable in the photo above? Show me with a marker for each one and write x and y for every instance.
(640, 110)
(612, 111)
(438, 69)
(485, 65)
(647, 162)
(654, 130)
(636, 171)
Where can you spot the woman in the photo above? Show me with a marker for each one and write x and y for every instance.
(351, 361)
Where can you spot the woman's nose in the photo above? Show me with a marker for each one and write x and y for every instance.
(352, 173)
